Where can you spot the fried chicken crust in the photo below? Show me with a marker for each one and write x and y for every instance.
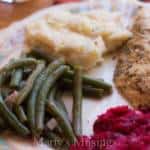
(132, 75)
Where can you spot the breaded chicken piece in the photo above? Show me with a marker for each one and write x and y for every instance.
(132, 76)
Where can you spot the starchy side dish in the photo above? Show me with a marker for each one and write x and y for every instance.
(110, 26)
(132, 76)
(120, 128)
(31, 89)
(80, 39)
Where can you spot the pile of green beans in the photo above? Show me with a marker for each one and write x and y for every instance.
(36, 84)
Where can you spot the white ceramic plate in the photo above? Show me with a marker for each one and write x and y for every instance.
(12, 43)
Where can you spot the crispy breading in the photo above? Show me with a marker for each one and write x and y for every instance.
(132, 76)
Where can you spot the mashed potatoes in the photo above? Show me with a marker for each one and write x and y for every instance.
(79, 38)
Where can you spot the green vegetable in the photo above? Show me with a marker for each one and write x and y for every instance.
(3, 124)
(87, 91)
(5, 91)
(58, 130)
(18, 64)
(53, 107)
(77, 101)
(41, 83)
(2, 79)
(19, 111)
(12, 119)
(16, 78)
(58, 98)
(32, 100)
(96, 83)
(27, 71)
(52, 136)
(38, 54)
(35, 78)
(22, 84)
(55, 140)
(47, 85)
(29, 84)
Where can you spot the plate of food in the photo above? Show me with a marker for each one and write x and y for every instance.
(77, 77)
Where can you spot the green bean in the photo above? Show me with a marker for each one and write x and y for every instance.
(32, 101)
(2, 79)
(12, 119)
(29, 84)
(48, 133)
(27, 71)
(22, 84)
(3, 124)
(58, 98)
(54, 140)
(77, 101)
(86, 90)
(40, 104)
(59, 114)
(58, 130)
(16, 77)
(36, 89)
(54, 65)
(38, 54)
(19, 111)
(18, 63)
(52, 136)
(5, 91)
(47, 118)
(96, 83)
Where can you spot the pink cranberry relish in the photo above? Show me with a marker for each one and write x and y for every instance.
(120, 128)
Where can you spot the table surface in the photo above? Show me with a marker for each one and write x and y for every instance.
(12, 12)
